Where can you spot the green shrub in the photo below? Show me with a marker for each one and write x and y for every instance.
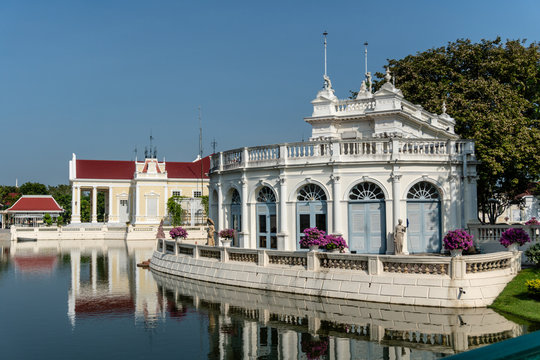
(533, 254)
(534, 288)
(47, 219)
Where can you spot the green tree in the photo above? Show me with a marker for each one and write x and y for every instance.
(47, 219)
(30, 188)
(174, 208)
(62, 194)
(492, 89)
(60, 220)
(205, 202)
(85, 208)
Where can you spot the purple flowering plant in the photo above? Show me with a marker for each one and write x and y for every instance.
(178, 232)
(458, 239)
(514, 236)
(335, 242)
(313, 237)
(533, 221)
(226, 233)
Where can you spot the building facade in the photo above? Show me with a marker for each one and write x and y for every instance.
(369, 162)
(136, 192)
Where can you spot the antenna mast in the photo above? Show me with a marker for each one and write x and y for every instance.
(365, 53)
(325, 33)
(200, 147)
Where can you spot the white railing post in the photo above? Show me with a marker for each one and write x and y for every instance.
(245, 157)
(262, 258)
(313, 262)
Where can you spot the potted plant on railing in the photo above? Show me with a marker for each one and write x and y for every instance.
(313, 239)
(335, 243)
(226, 236)
(532, 221)
(514, 237)
(456, 241)
(314, 347)
(178, 232)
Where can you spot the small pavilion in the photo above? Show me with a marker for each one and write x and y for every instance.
(30, 209)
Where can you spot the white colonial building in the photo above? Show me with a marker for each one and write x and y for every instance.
(369, 162)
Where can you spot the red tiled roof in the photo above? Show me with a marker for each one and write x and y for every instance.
(104, 304)
(105, 169)
(39, 203)
(35, 263)
(114, 169)
(188, 170)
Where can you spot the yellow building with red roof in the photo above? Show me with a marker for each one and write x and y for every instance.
(136, 192)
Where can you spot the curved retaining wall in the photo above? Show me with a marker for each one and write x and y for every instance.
(468, 281)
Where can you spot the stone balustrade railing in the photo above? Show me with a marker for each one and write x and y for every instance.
(341, 151)
(453, 267)
(492, 233)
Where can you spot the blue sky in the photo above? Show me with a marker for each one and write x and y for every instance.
(96, 77)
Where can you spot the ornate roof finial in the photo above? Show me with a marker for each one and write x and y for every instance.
(387, 76)
(369, 82)
(327, 82)
(444, 107)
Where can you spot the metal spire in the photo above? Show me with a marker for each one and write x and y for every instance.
(365, 54)
(325, 33)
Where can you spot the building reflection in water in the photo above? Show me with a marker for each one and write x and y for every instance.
(245, 323)
(107, 282)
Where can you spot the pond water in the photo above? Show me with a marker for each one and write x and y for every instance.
(87, 300)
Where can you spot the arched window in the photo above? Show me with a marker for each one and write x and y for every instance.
(311, 192)
(310, 209)
(266, 195)
(235, 217)
(423, 191)
(424, 218)
(366, 191)
(367, 219)
(266, 219)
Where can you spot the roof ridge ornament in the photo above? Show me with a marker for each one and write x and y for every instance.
(387, 76)
(444, 107)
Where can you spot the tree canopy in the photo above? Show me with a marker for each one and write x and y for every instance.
(492, 89)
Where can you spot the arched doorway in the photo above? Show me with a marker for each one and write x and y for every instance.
(423, 218)
(235, 219)
(310, 210)
(266, 219)
(367, 228)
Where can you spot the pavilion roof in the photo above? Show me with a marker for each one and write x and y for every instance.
(36, 203)
(125, 170)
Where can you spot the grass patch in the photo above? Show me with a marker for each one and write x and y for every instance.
(515, 299)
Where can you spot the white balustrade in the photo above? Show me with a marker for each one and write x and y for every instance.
(356, 106)
(341, 150)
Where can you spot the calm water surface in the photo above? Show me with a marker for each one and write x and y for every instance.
(88, 300)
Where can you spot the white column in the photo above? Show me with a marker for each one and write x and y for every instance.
(336, 214)
(283, 225)
(75, 205)
(94, 205)
(244, 239)
(396, 202)
(137, 205)
(221, 220)
(110, 204)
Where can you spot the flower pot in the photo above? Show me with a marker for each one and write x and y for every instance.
(456, 252)
(314, 248)
(334, 251)
(226, 242)
(513, 247)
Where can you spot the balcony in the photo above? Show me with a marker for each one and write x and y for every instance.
(355, 151)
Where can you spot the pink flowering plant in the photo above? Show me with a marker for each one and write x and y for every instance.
(178, 232)
(335, 242)
(532, 221)
(313, 237)
(514, 236)
(226, 233)
(458, 239)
